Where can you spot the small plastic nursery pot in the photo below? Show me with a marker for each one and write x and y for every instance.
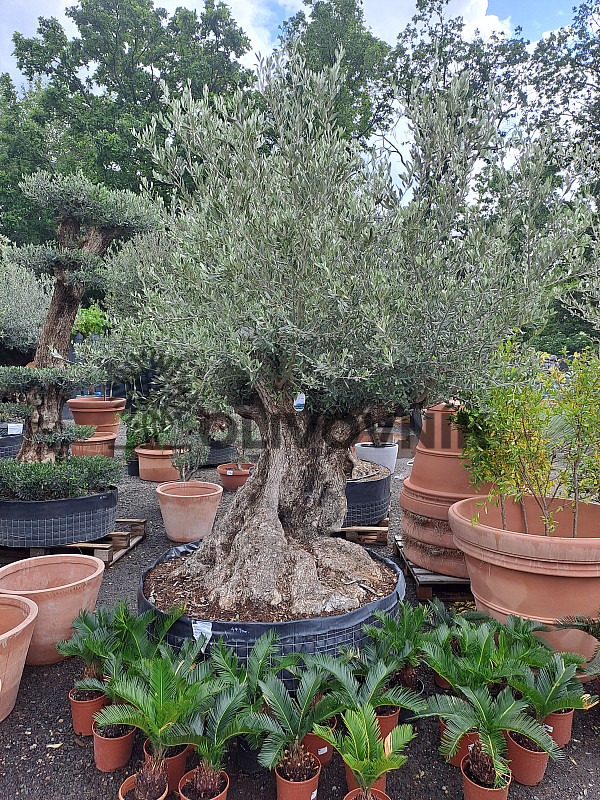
(318, 747)
(232, 477)
(298, 790)
(112, 754)
(17, 621)
(188, 508)
(175, 765)
(353, 785)
(318, 635)
(384, 454)
(463, 746)
(129, 784)
(473, 791)
(186, 779)
(103, 414)
(60, 585)
(559, 726)
(528, 767)
(83, 712)
(377, 793)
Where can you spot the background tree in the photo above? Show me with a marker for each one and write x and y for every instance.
(301, 269)
(89, 218)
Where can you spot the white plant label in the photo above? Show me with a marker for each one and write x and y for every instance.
(471, 747)
(14, 428)
(229, 472)
(313, 795)
(549, 728)
(321, 751)
(202, 628)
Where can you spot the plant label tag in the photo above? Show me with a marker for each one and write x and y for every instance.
(14, 428)
(313, 795)
(321, 751)
(229, 472)
(548, 728)
(202, 628)
(471, 747)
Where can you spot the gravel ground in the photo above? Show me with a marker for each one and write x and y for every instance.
(42, 759)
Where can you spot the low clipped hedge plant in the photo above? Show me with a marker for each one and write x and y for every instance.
(73, 477)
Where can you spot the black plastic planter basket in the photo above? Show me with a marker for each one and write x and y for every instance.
(368, 501)
(319, 635)
(220, 455)
(10, 445)
(50, 523)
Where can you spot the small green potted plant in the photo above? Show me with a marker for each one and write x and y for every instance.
(285, 723)
(364, 753)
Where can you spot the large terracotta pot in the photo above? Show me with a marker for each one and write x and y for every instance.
(221, 796)
(529, 574)
(188, 508)
(82, 712)
(155, 463)
(379, 795)
(100, 444)
(175, 766)
(463, 746)
(129, 784)
(352, 784)
(437, 480)
(527, 766)
(17, 621)
(104, 414)
(233, 478)
(318, 747)
(559, 725)
(298, 790)
(472, 791)
(60, 585)
(112, 754)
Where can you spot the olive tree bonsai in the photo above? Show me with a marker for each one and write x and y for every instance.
(298, 266)
(89, 217)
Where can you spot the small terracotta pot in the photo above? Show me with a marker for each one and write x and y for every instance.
(473, 791)
(318, 747)
(112, 754)
(298, 790)
(231, 477)
(463, 746)
(60, 585)
(221, 796)
(129, 783)
(83, 712)
(155, 463)
(352, 784)
(387, 723)
(559, 726)
(527, 766)
(100, 444)
(175, 766)
(17, 621)
(103, 414)
(188, 508)
(375, 792)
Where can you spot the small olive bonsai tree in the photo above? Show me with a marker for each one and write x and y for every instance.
(89, 218)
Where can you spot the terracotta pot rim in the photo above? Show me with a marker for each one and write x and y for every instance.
(486, 788)
(164, 488)
(353, 793)
(91, 700)
(113, 738)
(99, 436)
(58, 558)
(186, 778)
(153, 452)
(300, 783)
(104, 402)
(22, 602)
(534, 753)
(245, 469)
(129, 782)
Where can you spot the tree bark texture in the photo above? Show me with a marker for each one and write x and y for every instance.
(58, 325)
(274, 547)
(46, 417)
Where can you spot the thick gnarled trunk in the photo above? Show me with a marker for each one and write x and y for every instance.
(274, 547)
(46, 418)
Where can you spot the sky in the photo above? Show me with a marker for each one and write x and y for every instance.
(260, 19)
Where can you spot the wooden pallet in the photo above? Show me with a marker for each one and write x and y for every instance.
(108, 549)
(446, 587)
(368, 534)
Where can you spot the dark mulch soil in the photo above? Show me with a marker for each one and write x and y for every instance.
(167, 591)
(526, 742)
(112, 731)
(82, 695)
(42, 759)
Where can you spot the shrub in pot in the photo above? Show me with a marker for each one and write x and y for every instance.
(535, 437)
(288, 720)
(364, 753)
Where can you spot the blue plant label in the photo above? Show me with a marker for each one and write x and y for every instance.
(299, 402)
